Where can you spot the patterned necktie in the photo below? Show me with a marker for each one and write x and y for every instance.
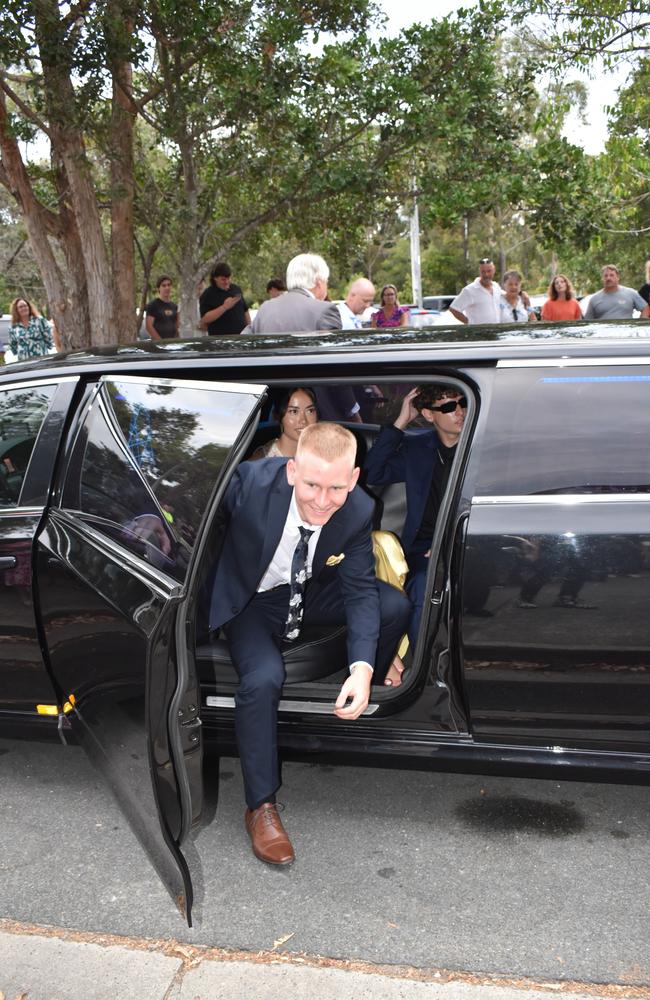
(298, 584)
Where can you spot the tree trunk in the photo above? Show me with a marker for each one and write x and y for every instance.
(76, 334)
(122, 183)
(188, 250)
(67, 140)
(188, 302)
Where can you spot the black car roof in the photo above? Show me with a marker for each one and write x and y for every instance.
(461, 344)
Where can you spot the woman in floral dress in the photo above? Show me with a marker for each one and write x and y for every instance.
(391, 313)
(30, 335)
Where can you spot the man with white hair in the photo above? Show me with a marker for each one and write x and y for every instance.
(303, 309)
(360, 296)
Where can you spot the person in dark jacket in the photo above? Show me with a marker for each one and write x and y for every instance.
(421, 459)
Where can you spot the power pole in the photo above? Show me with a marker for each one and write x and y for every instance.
(416, 277)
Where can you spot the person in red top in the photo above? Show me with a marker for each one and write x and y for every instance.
(561, 302)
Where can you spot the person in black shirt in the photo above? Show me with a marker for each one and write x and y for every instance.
(644, 290)
(222, 306)
(162, 313)
(422, 460)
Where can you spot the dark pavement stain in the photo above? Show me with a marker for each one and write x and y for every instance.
(225, 775)
(517, 814)
(386, 872)
(620, 834)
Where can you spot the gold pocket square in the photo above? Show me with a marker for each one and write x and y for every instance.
(335, 560)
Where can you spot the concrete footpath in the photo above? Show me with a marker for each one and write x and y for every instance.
(41, 963)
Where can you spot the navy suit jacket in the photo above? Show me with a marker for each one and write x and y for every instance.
(397, 457)
(255, 506)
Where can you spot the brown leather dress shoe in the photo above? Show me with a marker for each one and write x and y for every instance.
(268, 836)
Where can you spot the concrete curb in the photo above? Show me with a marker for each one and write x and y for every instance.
(39, 963)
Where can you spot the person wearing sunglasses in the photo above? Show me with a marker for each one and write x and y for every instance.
(513, 308)
(422, 460)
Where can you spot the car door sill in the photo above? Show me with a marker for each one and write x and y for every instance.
(301, 707)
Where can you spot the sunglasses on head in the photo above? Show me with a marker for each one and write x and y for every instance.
(450, 405)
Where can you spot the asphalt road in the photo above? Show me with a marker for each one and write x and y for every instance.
(487, 875)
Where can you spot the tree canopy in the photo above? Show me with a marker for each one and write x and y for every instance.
(172, 134)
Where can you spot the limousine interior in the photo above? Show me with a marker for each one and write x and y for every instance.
(316, 664)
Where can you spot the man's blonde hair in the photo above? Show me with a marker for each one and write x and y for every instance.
(327, 441)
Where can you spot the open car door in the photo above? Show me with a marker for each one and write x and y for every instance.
(114, 567)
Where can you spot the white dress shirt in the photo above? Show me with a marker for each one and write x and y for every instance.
(279, 569)
(479, 304)
(349, 320)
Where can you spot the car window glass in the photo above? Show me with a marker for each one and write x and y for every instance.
(578, 430)
(22, 411)
(152, 455)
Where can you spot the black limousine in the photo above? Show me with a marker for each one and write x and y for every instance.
(533, 655)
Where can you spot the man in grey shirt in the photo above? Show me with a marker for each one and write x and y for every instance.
(615, 301)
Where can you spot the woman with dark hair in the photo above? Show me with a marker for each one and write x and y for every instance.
(391, 314)
(561, 303)
(30, 335)
(295, 411)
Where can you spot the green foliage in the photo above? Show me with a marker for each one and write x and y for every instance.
(576, 31)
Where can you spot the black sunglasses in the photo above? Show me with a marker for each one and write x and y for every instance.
(450, 405)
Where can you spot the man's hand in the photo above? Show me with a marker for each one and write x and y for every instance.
(408, 411)
(356, 687)
(231, 301)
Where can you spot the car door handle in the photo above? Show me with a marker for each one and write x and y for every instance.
(8, 562)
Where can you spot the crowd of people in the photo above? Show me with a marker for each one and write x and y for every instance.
(302, 304)
(484, 301)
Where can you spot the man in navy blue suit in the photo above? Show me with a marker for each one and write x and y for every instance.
(422, 460)
(297, 551)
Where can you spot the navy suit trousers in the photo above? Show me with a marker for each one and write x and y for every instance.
(254, 636)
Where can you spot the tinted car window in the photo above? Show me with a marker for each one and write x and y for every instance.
(380, 403)
(149, 455)
(578, 430)
(22, 411)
